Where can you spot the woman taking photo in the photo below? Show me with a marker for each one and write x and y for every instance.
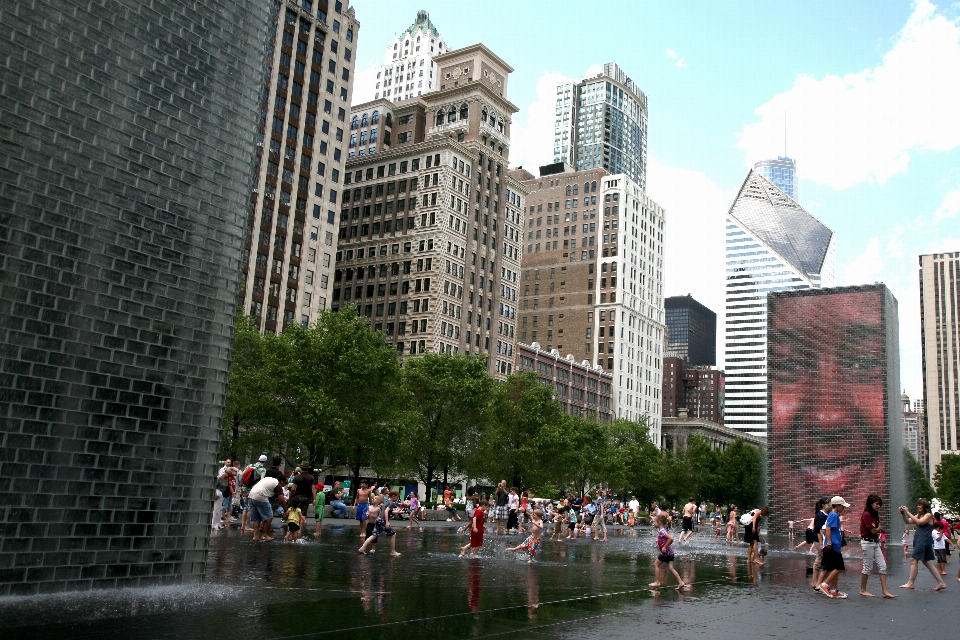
(922, 543)
(870, 531)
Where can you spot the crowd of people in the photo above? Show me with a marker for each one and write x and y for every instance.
(257, 494)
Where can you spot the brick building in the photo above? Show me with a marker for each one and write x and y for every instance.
(583, 389)
(430, 222)
(698, 391)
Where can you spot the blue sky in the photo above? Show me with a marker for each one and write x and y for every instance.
(870, 92)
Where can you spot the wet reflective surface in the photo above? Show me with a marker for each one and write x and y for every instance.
(574, 589)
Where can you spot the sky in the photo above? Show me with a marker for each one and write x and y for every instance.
(865, 96)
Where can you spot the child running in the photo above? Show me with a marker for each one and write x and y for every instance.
(381, 524)
(476, 531)
(532, 544)
(414, 510)
(664, 561)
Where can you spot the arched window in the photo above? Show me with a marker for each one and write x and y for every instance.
(354, 122)
(593, 186)
(568, 189)
(483, 115)
(365, 120)
(586, 187)
(500, 125)
(452, 115)
(493, 120)
(576, 188)
(464, 111)
(440, 116)
(375, 118)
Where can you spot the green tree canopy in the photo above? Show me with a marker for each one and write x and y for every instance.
(739, 474)
(947, 480)
(917, 484)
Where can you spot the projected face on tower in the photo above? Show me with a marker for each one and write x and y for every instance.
(827, 370)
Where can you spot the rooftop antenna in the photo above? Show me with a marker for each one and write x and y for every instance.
(785, 135)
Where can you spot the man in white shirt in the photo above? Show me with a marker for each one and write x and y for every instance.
(634, 506)
(261, 515)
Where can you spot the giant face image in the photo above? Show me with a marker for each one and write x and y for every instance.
(827, 372)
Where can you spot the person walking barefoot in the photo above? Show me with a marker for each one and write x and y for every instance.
(362, 503)
(666, 557)
(870, 531)
(476, 531)
(922, 544)
(381, 525)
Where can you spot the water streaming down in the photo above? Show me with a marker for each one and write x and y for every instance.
(326, 589)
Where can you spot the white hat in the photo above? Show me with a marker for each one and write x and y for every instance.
(839, 500)
(264, 459)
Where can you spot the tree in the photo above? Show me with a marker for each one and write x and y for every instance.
(633, 459)
(521, 411)
(247, 405)
(739, 474)
(917, 484)
(582, 453)
(448, 399)
(947, 480)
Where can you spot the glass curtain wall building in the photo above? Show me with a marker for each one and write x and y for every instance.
(772, 244)
(602, 122)
(782, 172)
(692, 331)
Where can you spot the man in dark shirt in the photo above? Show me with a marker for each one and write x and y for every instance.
(305, 483)
(274, 472)
(500, 514)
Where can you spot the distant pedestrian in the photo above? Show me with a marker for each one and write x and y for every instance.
(362, 503)
(665, 558)
(599, 520)
(476, 530)
(336, 501)
(906, 542)
(319, 506)
(751, 532)
(414, 510)
(500, 510)
(922, 544)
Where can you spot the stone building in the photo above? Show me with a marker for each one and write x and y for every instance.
(300, 164)
(697, 391)
(676, 431)
(592, 282)
(408, 69)
(430, 228)
(583, 389)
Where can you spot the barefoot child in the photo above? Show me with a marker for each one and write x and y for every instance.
(414, 510)
(906, 542)
(664, 561)
(532, 544)
(476, 530)
(294, 519)
(362, 503)
(381, 525)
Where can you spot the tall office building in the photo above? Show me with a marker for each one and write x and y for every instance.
(128, 133)
(602, 122)
(430, 225)
(692, 331)
(305, 101)
(782, 172)
(911, 427)
(409, 69)
(592, 283)
(772, 244)
(940, 335)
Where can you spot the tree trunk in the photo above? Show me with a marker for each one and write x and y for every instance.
(235, 436)
(429, 479)
(355, 480)
(445, 481)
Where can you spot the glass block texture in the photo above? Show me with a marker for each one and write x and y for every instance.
(833, 385)
(127, 133)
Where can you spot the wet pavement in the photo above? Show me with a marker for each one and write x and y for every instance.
(575, 589)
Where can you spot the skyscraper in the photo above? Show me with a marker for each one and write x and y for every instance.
(692, 332)
(772, 244)
(128, 138)
(602, 122)
(782, 172)
(305, 100)
(430, 227)
(940, 337)
(408, 70)
(592, 283)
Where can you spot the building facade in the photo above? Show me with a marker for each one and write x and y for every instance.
(772, 244)
(126, 189)
(677, 431)
(601, 122)
(408, 70)
(698, 392)
(300, 166)
(940, 337)
(911, 427)
(584, 389)
(592, 282)
(835, 410)
(430, 228)
(782, 172)
(691, 331)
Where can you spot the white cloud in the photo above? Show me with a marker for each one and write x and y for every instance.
(679, 61)
(531, 143)
(693, 239)
(949, 207)
(866, 267)
(364, 84)
(862, 127)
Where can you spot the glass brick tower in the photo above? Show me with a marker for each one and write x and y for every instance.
(128, 145)
(772, 244)
(602, 122)
(782, 172)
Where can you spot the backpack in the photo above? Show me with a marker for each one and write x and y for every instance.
(249, 477)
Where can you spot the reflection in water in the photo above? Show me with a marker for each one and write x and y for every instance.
(473, 584)
(533, 591)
